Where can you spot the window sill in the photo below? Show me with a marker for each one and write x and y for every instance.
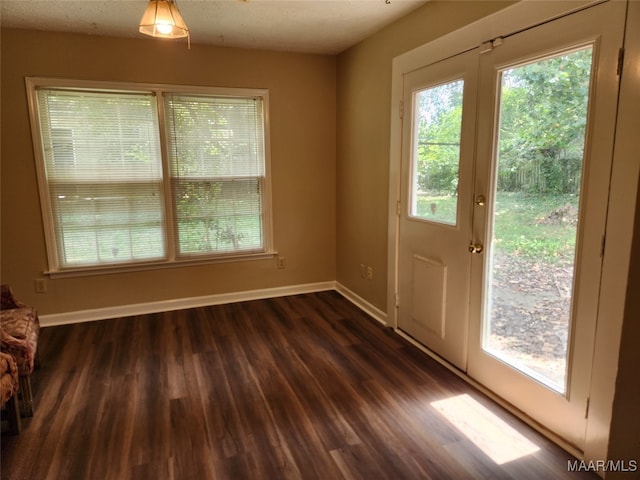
(137, 267)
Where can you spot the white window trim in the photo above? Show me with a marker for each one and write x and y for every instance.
(171, 261)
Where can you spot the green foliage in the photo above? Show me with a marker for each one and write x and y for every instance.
(543, 113)
(438, 149)
(542, 124)
(541, 227)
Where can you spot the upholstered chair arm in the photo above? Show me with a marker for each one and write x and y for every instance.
(8, 300)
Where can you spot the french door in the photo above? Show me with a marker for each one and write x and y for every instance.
(506, 288)
(437, 173)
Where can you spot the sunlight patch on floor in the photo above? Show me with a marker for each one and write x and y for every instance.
(489, 433)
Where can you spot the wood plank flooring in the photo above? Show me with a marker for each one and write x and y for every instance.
(299, 387)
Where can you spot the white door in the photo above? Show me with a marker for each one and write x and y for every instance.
(547, 102)
(435, 206)
(504, 181)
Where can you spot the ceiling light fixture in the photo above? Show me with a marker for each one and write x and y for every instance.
(162, 19)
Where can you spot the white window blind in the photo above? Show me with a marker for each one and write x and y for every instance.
(217, 164)
(104, 175)
(114, 196)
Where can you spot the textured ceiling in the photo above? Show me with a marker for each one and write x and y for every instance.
(312, 26)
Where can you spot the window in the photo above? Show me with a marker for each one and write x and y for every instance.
(436, 152)
(131, 175)
(216, 152)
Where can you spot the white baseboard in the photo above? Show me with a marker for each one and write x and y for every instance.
(360, 302)
(91, 315)
(179, 304)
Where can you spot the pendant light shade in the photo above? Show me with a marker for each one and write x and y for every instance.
(162, 19)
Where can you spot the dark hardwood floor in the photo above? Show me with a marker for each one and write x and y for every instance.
(306, 386)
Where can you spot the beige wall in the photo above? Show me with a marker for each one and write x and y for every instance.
(302, 100)
(364, 122)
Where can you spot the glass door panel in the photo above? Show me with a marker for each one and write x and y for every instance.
(542, 120)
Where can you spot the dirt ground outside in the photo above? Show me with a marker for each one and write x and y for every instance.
(530, 313)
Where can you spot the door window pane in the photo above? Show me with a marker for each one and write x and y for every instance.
(543, 117)
(436, 152)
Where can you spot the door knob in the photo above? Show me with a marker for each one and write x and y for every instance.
(480, 200)
(475, 248)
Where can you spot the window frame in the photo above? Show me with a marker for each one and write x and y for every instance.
(172, 258)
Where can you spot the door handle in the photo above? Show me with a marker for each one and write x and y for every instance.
(480, 200)
(476, 248)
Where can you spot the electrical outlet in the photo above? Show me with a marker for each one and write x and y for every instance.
(369, 273)
(363, 270)
(41, 285)
(282, 262)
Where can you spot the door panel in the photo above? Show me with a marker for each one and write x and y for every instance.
(534, 296)
(429, 294)
(435, 221)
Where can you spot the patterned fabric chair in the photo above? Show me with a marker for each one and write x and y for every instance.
(8, 390)
(19, 330)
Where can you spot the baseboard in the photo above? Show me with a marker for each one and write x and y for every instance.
(179, 304)
(360, 302)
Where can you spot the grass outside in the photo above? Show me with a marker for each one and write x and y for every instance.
(437, 208)
(532, 226)
(541, 227)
